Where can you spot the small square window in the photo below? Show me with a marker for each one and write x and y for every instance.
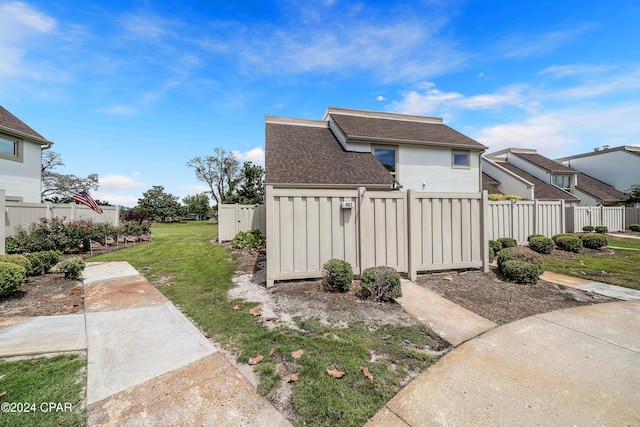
(386, 156)
(460, 159)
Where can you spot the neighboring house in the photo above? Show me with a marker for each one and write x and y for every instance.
(617, 166)
(353, 148)
(20, 159)
(528, 174)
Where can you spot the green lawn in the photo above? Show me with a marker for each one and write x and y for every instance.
(42, 394)
(620, 269)
(200, 276)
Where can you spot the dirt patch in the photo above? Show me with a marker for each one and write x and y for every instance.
(492, 298)
(45, 295)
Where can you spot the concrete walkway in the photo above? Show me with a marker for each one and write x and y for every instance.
(147, 364)
(612, 291)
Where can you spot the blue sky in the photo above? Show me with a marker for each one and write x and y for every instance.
(131, 90)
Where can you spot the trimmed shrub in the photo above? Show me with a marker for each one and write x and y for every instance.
(494, 248)
(521, 272)
(634, 227)
(251, 239)
(337, 275)
(593, 241)
(588, 228)
(556, 236)
(12, 276)
(50, 258)
(72, 267)
(602, 229)
(507, 242)
(380, 283)
(531, 236)
(37, 264)
(20, 260)
(541, 244)
(569, 243)
(519, 253)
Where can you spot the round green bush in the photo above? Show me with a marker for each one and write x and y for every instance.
(531, 236)
(634, 227)
(50, 258)
(337, 275)
(494, 248)
(72, 267)
(541, 245)
(569, 243)
(556, 236)
(594, 241)
(507, 242)
(21, 260)
(380, 283)
(519, 253)
(522, 272)
(251, 239)
(588, 228)
(602, 229)
(37, 264)
(12, 276)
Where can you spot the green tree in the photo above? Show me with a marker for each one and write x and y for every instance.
(159, 204)
(57, 187)
(220, 172)
(634, 193)
(197, 205)
(251, 186)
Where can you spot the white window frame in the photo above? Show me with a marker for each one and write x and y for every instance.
(17, 144)
(554, 181)
(455, 153)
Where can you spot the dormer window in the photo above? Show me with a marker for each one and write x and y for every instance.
(562, 181)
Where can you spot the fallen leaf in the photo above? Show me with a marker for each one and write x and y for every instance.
(33, 362)
(366, 372)
(292, 378)
(236, 307)
(335, 373)
(297, 354)
(255, 311)
(256, 360)
(281, 371)
(273, 350)
(271, 319)
(3, 394)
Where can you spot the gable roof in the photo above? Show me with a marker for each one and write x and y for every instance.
(489, 184)
(545, 163)
(599, 189)
(13, 125)
(542, 190)
(307, 152)
(390, 127)
(630, 149)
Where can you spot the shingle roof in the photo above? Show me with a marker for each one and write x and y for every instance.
(542, 190)
(11, 122)
(599, 189)
(401, 130)
(630, 149)
(489, 184)
(544, 163)
(296, 154)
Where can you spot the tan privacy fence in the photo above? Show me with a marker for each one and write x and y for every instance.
(234, 218)
(631, 215)
(409, 231)
(16, 215)
(612, 217)
(520, 219)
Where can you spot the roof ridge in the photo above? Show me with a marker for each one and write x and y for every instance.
(382, 115)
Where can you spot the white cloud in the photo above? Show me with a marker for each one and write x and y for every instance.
(255, 155)
(145, 26)
(120, 110)
(526, 45)
(380, 98)
(120, 189)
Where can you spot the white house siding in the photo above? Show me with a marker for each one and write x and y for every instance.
(585, 199)
(22, 179)
(617, 168)
(509, 183)
(534, 170)
(432, 166)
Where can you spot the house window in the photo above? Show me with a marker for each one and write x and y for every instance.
(388, 158)
(9, 149)
(562, 181)
(460, 159)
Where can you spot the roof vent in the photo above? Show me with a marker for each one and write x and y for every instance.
(596, 149)
(605, 147)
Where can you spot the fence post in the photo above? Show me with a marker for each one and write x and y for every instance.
(3, 214)
(535, 217)
(362, 220)
(484, 251)
(563, 218)
(413, 240)
(271, 242)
